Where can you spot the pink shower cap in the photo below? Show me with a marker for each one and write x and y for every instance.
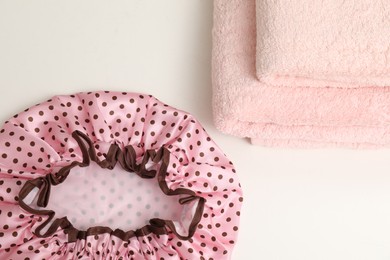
(108, 175)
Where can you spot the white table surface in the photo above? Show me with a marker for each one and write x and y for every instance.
(299, 204)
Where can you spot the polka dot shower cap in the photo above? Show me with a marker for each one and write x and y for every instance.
(107, 175)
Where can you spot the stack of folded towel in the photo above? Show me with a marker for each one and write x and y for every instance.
(303, 73)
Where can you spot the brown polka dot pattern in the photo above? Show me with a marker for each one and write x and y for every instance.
(39, 140)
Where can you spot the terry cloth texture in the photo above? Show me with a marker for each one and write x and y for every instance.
(286, 116)
(321, 43)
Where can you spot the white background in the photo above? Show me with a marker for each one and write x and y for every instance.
(299, 204)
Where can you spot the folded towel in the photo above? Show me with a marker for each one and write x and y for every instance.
(280, 116)
(321, 43)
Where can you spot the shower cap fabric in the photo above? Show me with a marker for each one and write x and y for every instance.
(110, 175)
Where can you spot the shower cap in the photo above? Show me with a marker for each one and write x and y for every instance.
(110, 175)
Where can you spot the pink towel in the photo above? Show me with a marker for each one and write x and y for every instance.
(321, 43)
(281, 116)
